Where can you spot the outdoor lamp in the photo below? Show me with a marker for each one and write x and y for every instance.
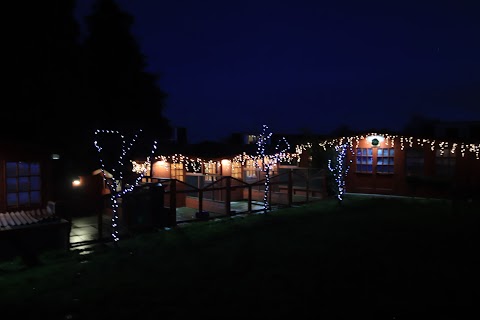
(375, 140)
(76, 182)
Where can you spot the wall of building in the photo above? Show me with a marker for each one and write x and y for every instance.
(371, 182)
(465, 180)
(18, 153)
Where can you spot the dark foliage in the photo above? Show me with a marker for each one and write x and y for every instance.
(122, 94)
(61, 89)
(42, 73)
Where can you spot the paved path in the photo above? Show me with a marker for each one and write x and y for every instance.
(85, 230)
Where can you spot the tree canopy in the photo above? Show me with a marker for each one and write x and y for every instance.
(42, 72)
(61, 89)
(122, 94)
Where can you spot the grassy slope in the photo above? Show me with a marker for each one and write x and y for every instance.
(379, 257)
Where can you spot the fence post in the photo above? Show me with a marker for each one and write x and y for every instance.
(228, 195)
(269, 197)
(100, 224)
(250, 198)
(324, 184)
(200, 201)
(308, 185)
(290, 188)
(172, 214)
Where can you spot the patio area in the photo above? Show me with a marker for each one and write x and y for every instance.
(85, 230)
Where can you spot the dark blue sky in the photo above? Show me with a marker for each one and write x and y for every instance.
(232, 66)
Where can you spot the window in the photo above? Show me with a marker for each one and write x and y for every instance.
(364, 160)
(250, 170)
(251, 139)
(444, 162)
(385, 159)
(146, 168)
(237, 170)
(177, 172)
(210, 169)
(415, 162)
(273, 169)
(23, 184)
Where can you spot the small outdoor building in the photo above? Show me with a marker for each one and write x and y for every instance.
(211, 184)
(25, 177)
(411, 166)
(28, 221)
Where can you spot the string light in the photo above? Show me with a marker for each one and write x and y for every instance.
(341, 168)
(114, 184)
(390, 139)
(267, 162)
(262, 141)
(195, 164)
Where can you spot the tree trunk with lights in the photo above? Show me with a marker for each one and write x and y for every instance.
(340, 169)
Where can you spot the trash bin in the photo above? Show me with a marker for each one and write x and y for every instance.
(143, 207)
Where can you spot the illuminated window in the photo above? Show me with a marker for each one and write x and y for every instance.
(385, 160)
(415, 162)
(274, 169)
(23, 184)
(251, 139)
(364, 160)
(445, 162)
(193, 166)
(177, 171)
(146, 169)
(237, 170)
(210, 170)
(250, 170)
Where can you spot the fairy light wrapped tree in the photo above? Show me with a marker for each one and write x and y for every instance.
(117, 168)
(268, 160)
(339, 168)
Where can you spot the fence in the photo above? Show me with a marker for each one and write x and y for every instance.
(201, 197)
(208, 196)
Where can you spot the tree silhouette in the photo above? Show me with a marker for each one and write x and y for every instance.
(122, 94)
(42, 71)
(60, 90)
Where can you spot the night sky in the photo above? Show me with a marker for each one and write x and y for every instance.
(232, 66)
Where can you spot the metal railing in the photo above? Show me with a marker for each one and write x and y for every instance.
(221, 195)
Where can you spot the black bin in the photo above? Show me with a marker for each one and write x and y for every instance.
(143, 207)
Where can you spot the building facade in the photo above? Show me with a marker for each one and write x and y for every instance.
(25, 178)
(410, 166)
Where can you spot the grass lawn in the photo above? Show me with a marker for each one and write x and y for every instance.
(370, 258)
